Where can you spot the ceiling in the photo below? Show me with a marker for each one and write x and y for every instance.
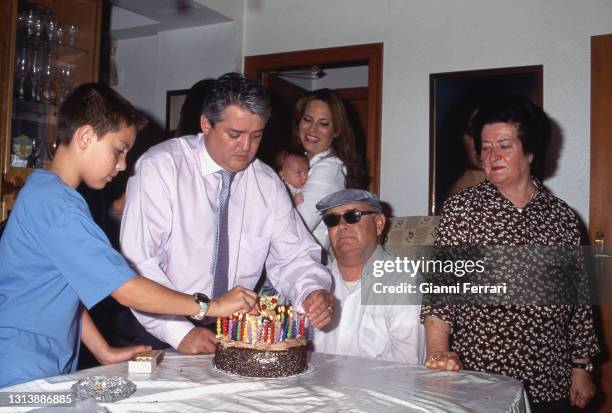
(139, 18)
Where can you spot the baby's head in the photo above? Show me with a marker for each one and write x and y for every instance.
(293, 167)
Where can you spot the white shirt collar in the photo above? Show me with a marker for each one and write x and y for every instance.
(209, 166)
(350, 286)
(319, 156)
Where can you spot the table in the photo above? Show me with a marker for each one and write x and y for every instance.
(334, 383)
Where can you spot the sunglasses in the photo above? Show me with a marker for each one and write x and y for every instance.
(350, 217)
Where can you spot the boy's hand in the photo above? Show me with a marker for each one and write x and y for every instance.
(236, 300)
(113, 355)
(198, 341)
(298, 198)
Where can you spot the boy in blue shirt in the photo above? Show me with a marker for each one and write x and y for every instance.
(54, 259)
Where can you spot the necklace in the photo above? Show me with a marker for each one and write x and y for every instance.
(533, 193)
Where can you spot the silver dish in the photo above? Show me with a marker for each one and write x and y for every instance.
(103, 389)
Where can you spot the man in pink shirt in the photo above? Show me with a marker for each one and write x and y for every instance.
(176, 214)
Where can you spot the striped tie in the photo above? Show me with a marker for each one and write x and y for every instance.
(221, 263)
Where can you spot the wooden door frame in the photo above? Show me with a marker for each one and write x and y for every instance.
(599, 199)
(600, 132)
(257, 67)
(7, 48)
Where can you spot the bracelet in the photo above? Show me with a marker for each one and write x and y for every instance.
(588, 366)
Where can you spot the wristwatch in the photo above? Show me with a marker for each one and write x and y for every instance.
(588, 366)
(203, 300)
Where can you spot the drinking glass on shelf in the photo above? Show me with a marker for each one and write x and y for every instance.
(72, 30)
(21, 19)
(21, 71)
(38, 27)
(51, 29)
(35, 74)
(34, 160)
(59, 34)
(48, 75)
(67, 74)
(30, 22)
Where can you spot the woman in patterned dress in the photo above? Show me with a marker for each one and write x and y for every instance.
(548, 347)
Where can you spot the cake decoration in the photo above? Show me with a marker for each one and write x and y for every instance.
(274, 324)
(272, 343)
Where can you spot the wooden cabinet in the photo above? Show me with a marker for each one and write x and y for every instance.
(50, 46)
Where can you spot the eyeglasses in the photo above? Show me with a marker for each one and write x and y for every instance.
(350, 217)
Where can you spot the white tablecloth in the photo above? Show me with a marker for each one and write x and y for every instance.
(333, 383)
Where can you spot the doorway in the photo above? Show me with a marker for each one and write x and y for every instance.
(278, 73)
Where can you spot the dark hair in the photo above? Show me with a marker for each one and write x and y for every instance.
(458, 122)
(533, 126)
(98, 105)
(343, 145)
(235, 89)
(189, 121)
(281, 158)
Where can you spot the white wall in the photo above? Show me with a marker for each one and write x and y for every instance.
(423, 37)
(176, 59)
(336, 78)
(343, 77)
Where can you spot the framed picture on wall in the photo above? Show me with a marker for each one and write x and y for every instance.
(454, 98)
(174, 102)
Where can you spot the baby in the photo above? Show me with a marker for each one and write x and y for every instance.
(293, 167)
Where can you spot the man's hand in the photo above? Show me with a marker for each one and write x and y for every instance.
(112, 355)
(444, 360)
(298, 198)
(198, 341)
(319, 307)
(236, 300)
(582, 389)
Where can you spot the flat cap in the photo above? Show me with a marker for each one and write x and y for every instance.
(349, 196)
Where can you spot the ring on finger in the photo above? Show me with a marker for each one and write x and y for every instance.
(434, 358)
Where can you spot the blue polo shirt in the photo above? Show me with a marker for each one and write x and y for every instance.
(53, 257)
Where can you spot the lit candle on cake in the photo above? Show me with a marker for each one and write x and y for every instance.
(265, 332)
(301, 326)
(284, 332)
(249, 326)
(289, 321)
(218, 327)
(282, 314)
(251, 329)
(238, 327)
(259, 329)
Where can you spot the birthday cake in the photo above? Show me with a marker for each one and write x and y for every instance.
(270, 344)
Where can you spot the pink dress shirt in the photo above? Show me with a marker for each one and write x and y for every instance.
(169, 225)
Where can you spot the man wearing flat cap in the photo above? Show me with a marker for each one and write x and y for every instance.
(355, 222)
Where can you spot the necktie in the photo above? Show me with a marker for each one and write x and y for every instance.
(221, 264)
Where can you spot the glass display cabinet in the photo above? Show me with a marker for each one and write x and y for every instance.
(49, 47)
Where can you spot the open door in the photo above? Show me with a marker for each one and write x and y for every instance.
(364, 105)
(283, 97)
(600, 212)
